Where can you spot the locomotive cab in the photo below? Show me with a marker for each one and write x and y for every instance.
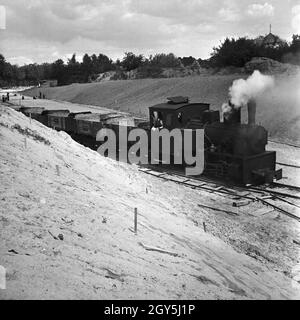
(178, 113)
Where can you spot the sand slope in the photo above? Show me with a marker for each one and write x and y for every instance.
(138, 95)
(90, 201)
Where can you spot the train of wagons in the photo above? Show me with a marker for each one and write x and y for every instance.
(234, 151)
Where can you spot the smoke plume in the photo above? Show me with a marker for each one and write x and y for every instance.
(279, 109)
(242, 90)
(278, 102)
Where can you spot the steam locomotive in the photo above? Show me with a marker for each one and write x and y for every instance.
(232, 151)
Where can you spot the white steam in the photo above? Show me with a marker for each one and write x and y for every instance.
(242, 90)
(226, 110)
(226, 107)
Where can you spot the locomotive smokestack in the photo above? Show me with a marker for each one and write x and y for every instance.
(251, 111)
(231, 113)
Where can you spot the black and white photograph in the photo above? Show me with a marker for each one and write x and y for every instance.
(150, 151)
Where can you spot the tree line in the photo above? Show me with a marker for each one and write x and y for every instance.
(231, 52)
(237, 52)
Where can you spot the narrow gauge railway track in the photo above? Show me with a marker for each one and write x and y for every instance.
(288, 165)
(260, 189)
(285, 186)
(194, 183)
(251, 193)
(270, 190)
(285, 143)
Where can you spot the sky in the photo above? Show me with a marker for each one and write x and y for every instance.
(36, 31)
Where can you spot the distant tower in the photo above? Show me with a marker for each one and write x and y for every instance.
(270, 28)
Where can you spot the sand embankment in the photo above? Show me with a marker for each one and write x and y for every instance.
(50, 185)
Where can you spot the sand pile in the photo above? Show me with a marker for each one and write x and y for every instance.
(66, 214)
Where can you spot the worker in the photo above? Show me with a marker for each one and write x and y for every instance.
(179, 116)
(157, 120)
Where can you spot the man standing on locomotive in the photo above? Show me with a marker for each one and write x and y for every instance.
(157, 121)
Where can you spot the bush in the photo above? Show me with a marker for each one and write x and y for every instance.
(188, 61)
(132, 61)
(163, 60)
(238, 52)
(233, 53)
(149, 71)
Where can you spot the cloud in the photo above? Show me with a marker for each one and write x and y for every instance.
(229, 15)
(260, 10)
(21, 60)
(2, 17)
(64, 21)
(121, 25)
(296, 19)
(190, 12)
(43, 30)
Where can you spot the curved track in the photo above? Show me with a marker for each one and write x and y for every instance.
(273, 191)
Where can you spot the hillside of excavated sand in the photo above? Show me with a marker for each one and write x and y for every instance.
(52, 186)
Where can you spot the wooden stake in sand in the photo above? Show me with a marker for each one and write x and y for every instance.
(158, 250)
(135, 220)
(204, 226)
